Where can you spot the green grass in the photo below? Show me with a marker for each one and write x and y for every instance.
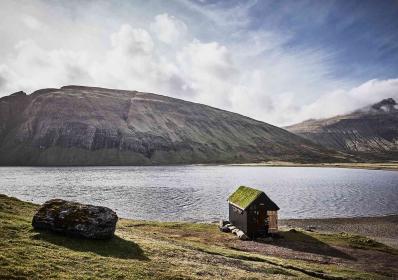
(152, 250)
(356, 241)
(243, 196)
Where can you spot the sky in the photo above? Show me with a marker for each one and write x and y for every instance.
(280, 62)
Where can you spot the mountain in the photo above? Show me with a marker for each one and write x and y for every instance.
(77, 125)
(371, 132)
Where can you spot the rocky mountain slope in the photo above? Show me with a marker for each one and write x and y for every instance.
(77, 125)
(371, 132)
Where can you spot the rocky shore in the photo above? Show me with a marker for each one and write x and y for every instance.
(391, 166)
(383, 228)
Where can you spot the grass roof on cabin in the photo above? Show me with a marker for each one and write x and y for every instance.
(244, 196)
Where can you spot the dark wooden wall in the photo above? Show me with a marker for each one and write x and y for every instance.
(247, 220)
(238, 218)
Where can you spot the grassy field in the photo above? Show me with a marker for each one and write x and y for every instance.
(154, 250)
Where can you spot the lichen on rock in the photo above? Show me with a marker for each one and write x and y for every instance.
(73, 218)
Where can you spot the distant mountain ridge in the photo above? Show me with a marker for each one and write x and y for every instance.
(77, 125)
(371, 132)
(385, 106)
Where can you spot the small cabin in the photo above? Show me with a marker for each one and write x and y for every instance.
(253, 212)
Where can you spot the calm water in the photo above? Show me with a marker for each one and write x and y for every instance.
(199, 193)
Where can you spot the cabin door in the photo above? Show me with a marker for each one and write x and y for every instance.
(262, 221)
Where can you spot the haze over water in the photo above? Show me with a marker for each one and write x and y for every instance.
(199, 193)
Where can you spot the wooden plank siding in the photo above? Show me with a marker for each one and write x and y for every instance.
(248, 220)
(238, 217)
(255, 218)
(272, 221)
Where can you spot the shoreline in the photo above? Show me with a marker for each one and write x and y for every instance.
(382, 228)
(388, 166)
(299, 222)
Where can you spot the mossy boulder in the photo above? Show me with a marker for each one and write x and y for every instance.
(76, 219)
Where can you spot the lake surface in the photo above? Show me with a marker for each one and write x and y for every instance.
(199, 193)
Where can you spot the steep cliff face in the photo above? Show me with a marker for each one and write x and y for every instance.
(371, 132)
(10, 108)
(77, 125)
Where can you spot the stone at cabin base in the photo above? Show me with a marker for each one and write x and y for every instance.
(222, 223)
(242, 236)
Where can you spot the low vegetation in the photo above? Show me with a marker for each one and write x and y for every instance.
(157, 250)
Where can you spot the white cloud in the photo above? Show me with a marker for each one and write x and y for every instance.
(33, 67)
(132, 41)
(248, 72)
(168, 29)
(221, 14)
(32, 22)
(134, 62)
(6, 76)
(209, 70)
(345, 101)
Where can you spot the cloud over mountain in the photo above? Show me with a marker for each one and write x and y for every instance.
(216, 54)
